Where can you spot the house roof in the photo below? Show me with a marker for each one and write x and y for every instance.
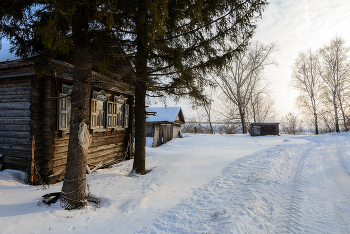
(165, 114)
(20, 67)
(66, 71)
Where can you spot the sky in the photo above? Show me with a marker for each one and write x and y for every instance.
(296, 26)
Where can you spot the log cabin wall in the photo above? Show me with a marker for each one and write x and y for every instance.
(28, 108)
(18, 122)
(106, 147)
(49, 117)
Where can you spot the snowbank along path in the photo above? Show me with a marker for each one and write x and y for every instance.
(301, 188)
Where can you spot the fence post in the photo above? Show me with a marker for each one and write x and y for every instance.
(156, 136)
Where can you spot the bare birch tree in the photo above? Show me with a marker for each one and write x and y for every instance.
(244, 76)
(204, 108)
(335, 73)
(261, 107)
(306, 79)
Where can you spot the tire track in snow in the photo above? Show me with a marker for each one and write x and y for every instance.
(292, 221)
(320, 195)
(302, 188)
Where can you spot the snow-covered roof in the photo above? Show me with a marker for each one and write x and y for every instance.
(165, 114)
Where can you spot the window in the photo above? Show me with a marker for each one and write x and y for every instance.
(64, 108)
(98, 109)
(106, 112)
(111, 115)
(122, 112)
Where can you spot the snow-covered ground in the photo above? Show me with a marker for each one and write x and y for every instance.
(204, 184)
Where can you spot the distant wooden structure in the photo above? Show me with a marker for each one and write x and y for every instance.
(35, 119)
(164, 124)
(263, 129)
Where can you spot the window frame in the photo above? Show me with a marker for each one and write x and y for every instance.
(64, 109)
(98, 96)
(122, 108)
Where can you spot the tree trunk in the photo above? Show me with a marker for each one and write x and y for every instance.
(241, 113)
(315, 115)
(140, 130)
(316, 124)
(343, 114)
(336, 114)
(207, 111)
(73, 195)
(139, 165)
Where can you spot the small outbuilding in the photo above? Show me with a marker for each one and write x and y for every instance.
(164, 124)
(263, 129)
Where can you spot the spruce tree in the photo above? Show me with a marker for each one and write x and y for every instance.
(173, 44)
(62, 27)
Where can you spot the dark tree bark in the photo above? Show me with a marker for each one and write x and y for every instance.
(73, 189)
(140, 91)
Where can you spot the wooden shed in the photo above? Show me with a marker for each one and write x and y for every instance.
(263, 129)
(164, 124)
(35, 119)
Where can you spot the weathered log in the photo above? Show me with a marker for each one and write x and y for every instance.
(36, 108)
(36, 91)
(48, 120)
(48, 136)
(56, 156)
(14, 113)
(34, 83)
(17, 161)
(53, 171)
(39, 138)
(46, 127)
(21, 154)
(11, 127)
(103, 153)
(36, 99)
(15, 98)
(23, 147)
(14, 90)
(14, 134)
(15, 120)
(36, 123)
(48, 150)
(104, 147)
(13, 82)
(14, 106)
(61, 149)
(35, 115)
(15, 167)
(11, 140)
(60, 143)
(105, 159)
(48, 105)
(55, 163)
(36, 131)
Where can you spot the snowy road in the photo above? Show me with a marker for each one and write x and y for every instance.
(302, 188)
(320, 193)
(203, 184)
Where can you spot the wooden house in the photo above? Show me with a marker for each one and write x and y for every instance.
(263, 129)
(35, 119)
(164, 124)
